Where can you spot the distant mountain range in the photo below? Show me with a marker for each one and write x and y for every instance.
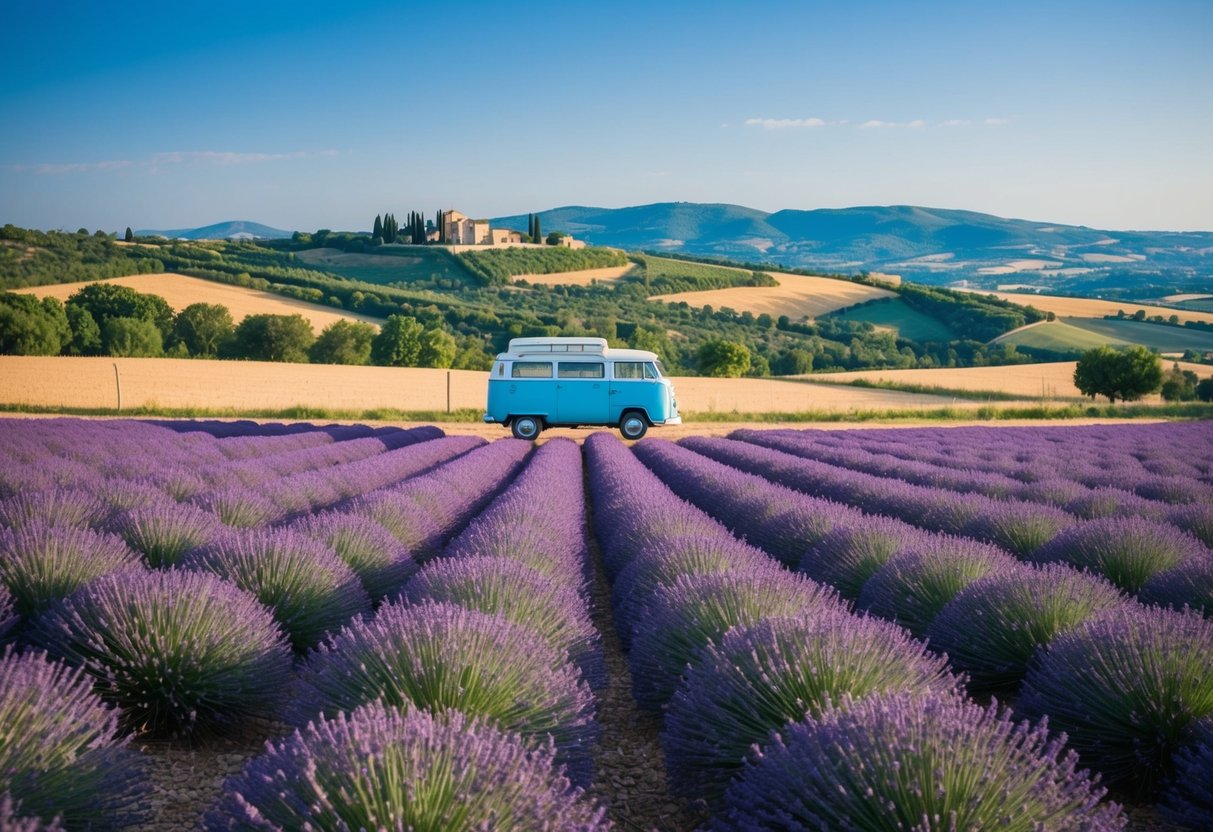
(929, 245)
(232, 229)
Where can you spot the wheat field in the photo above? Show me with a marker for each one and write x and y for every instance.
(797, 296)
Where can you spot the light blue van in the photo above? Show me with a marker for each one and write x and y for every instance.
(570, 382)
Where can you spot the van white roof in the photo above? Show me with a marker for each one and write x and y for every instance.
(571, 348)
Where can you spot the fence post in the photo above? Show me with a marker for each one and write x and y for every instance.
(448, 391)
(118, 385)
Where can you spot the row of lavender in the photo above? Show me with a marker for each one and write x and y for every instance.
(1159, 561)
(180, 650)
(1130, 684)
(784, 710)
(1156, 472)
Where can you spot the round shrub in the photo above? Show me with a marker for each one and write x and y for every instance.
(1110, 502)
(381, 563)
(778, 671)
(165, 532)
(41, 564)
(1196, 519)
(238, 506)
(1020, 528)
(500, 586)
(917, 583)
(310, 590)
(898, 761)
(849, 555)
(121, 495)
(60, 755)
(1188, 800)
(992, 628)
(695, 609)
(1174, 490)
(1127, 687)
(407, 517)
(53, 507)
(174, 650)
(649, 532)
(1127, 551)
(378, 768)
(1189, 584)
(692, 555)
(440, 657)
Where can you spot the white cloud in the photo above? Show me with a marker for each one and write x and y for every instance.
(785, 123)
(996, 122)
(956, 122)
(916, 123)
(877, 124)
(157, 161)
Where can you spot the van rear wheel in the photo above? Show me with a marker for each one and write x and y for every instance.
(526, 427)
(633, 425)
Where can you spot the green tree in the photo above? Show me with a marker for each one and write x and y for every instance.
(377, 231)
(538, 234)
(29, 326)
(398, 343)
(1118, 374)
(274, 338)
(1179, 385)
(723, 359)
(344, 342)
(1204, 390)
(86, 335)
(129, 236)
(437, 349)
(106, 300)
(204, 328)
(132, 337)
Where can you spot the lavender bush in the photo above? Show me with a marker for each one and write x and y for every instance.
(1196, 519)
(174, 650)
(850, 554)
(8, 611)
(165, 532)
(1188, 800)
(1020, 528)
(310, 590)
(518, 593)
(441, 656)
(897, 761)
(1128, 688)
(13, 818)
(1189, 584)
(915, 584)
(1110, 502)
(992, 628)
(378, 768)
(376, 556)
(1127, 551)
(60, 754)
(697, 609)
(777, 671)
(40, 564)
(54, 507)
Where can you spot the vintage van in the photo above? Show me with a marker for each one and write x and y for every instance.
(569, 382)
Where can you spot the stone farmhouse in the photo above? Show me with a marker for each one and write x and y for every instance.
(461, 230)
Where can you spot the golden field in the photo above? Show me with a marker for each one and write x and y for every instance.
(1095, 308)
(796, 296)
(179, 291)
(584, 277)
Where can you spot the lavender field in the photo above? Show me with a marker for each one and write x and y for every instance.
(380, 628)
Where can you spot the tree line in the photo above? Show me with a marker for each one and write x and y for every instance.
(104, 319)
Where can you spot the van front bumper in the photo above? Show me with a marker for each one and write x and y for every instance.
(489, 419)
(676, 420)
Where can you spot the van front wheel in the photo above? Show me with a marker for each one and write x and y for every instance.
(633, 425)
(526, 427)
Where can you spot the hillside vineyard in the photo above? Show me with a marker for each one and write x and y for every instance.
(817, 629)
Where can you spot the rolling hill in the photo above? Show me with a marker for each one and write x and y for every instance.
(231, 229)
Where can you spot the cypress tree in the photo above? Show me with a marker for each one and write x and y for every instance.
(378, 229)
(130, 235)
(538, 235)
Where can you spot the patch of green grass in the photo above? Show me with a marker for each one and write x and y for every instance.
(395, 265)
(662, 275)
(1059, 337)
(922, 389)
(1161, 337)
(893, 313)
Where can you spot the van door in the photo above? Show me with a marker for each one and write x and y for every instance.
(582, 393)
(636, 386)
(530, 391)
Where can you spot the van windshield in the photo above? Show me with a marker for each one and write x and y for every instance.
(656, 368)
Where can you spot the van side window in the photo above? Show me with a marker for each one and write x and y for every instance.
(580, 369)
(629, 369)
(531, 369)
(650, 371)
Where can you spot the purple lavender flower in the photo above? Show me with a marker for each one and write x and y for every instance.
(1128, 551)
(379, 768)
(1020, 528)
(310, 590)
(440, 656)
(846, 557)
(1196, 519)
(1111, 502)
(993, 627)
(1188, 800)
(165, 532)
(778, 671)
(57, 506)
(1189, 584)
(8, 610)
(900, 761)
(1127, 687)
(40, 564)
(13, 818)
(697, 609)
(60, 754)
(175, 650)
(520, 594)
(239, 507)
(376, 556)
(915, 584)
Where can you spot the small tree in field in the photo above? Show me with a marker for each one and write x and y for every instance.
(274, 338)
(344, 342)
(723, 359)
(129, 236)
(1118, 374)
(437, 349)
(398, 343)
(204, 328)
(1204, 390)
(1179, 385)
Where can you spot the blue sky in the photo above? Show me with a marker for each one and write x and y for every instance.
(307, 115)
